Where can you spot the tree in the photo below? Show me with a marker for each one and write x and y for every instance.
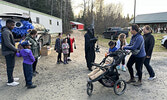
(57, 8)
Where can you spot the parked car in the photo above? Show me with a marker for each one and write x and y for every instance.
(113, 33)
(22, 24)
(164, 41)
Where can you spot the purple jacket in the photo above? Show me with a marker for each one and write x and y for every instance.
(27, 55)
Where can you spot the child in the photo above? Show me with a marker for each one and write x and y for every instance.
(121, 42)
(58, 48)
(97, 72)
(70, 42)
(65, 50)
(112, 46)
(29, 59)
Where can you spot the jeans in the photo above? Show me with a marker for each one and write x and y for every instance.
(28, 72)
(35, 64)
(138, 64)
(148, 67)
(59, 57)
(10, 63)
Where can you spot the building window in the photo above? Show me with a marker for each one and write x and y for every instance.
(57, 23)
(37, 20)
(50, 21)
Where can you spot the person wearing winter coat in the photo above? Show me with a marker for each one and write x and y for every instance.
(58, 48)
(9, 51)
(90, 41)
(149, 45)
(70, 42)
(35, 48)
(28, 60)
(65, 50)
(136, 44)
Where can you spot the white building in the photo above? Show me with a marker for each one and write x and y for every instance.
(52, 23)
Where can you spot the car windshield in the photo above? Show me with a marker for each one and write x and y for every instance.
(39, 27)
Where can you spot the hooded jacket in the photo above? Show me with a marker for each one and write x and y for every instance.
(27, 55)
(34, 46)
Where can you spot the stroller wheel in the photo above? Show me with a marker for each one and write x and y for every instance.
(89, 88)
(119, 87)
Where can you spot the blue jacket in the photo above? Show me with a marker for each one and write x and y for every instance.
(112, 50)
(135, 43)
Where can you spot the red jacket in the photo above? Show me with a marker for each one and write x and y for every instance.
(71, 41)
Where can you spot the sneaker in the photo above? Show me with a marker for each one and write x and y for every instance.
(31, 86)
(16, 79)
(136, 76)
(152, 78)
(138, 83)
(58, 62)
(131, 81)
(13, 84)
(118, 67)
(123, 68)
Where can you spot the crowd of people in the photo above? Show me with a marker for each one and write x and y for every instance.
(64, 46)
(30, 52)
(29, 49)
(141, 48)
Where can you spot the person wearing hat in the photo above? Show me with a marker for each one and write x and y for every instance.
(28, 60)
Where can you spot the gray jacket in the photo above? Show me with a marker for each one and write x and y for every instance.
(35, 48)
(8, 43)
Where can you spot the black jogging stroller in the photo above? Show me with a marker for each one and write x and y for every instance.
(110, 78)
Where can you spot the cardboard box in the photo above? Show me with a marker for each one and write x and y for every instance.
(45, 51)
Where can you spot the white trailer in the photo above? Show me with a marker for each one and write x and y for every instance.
(52, 23)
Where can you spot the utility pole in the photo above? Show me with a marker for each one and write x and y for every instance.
(134, 10)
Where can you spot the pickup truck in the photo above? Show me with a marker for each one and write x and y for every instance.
(22, 24)
(113, 33)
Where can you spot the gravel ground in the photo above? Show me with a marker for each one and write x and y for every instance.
(68, 82)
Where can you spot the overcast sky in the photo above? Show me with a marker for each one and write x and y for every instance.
(142, 6)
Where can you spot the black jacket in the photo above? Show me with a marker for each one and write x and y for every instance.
(58, 45)
(149, 43)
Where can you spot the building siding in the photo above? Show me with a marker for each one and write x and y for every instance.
(44, 19)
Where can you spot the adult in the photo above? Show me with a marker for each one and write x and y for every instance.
(35, 48)
(90, 41)
(58, 48)
(70, 42)
(9, 51)
(136, 44)
(149, 45)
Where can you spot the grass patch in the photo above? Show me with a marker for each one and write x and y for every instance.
(157, 48)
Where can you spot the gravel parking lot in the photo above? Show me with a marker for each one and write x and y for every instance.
(68, 82)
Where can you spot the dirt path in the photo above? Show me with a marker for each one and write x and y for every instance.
(68, 82)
